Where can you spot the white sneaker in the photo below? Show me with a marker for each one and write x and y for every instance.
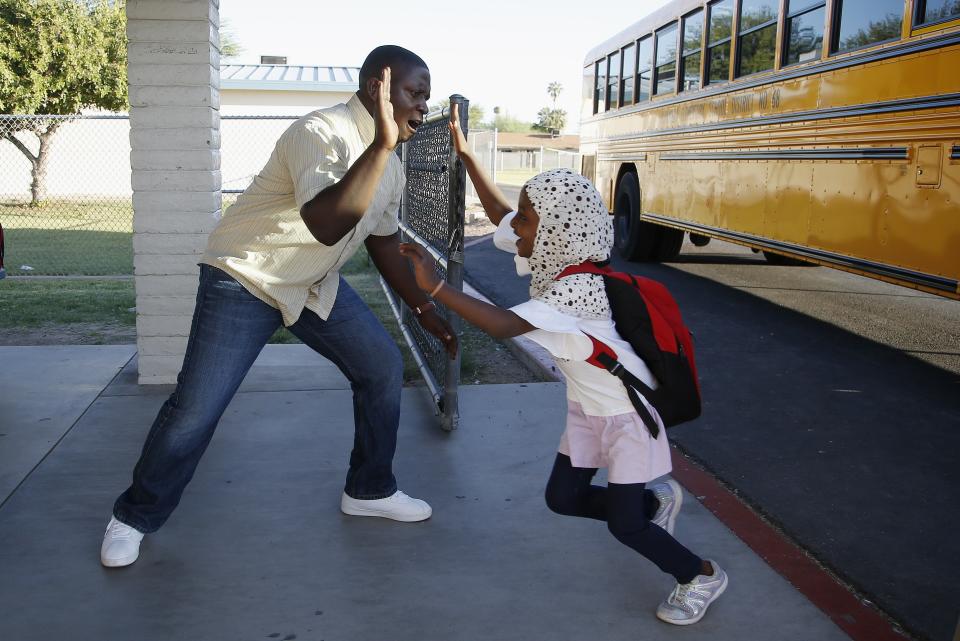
(670, 496)
(398, 507)
(121, 544)
(689, 601)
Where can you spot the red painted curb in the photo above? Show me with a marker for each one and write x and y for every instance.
(859, 620)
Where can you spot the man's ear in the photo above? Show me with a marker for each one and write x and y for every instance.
(372, 88)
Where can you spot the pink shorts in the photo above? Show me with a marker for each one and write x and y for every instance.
(621, 443)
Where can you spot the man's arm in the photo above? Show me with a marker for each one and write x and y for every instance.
(332, 213)
(395, 269)
(495, 321)
(385, 253)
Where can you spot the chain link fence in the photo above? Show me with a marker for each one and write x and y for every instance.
(514, 166)
(432, 215)
(65, 194)
(66, 210)
(246, 143)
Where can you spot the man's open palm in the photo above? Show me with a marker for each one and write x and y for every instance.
(387, 134)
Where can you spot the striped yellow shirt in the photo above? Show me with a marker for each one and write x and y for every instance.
(263, 242)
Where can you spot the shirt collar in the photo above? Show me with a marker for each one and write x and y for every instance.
(362, 118)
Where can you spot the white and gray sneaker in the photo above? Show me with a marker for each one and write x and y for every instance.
(689, 601)
(670, 496)
(121, 544)
(398, 507)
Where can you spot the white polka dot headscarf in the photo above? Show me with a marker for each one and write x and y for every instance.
(574, 227)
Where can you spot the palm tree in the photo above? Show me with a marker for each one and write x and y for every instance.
(553, 90)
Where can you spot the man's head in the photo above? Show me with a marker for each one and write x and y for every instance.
(409, 87)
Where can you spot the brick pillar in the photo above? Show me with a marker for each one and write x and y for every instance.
(174, 80)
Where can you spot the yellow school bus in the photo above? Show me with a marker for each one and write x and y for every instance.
(824, 131)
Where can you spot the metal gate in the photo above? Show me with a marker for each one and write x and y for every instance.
(432, 216)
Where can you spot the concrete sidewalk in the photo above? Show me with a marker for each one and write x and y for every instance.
(258, 548)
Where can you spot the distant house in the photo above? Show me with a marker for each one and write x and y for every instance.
(536, 151)
(283, 90)
(270, 90)
(510, 141)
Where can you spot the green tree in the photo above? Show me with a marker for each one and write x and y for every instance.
(58, 57)
(552, 119)
(474, 118)
(230, 46)
(553, 90)
(505, 122)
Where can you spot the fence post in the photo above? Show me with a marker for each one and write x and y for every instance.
(493, 158)
(405, 317)
(458, 177)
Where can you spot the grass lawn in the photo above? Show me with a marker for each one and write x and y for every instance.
(92, 311)
(36, 303)
(65, 237)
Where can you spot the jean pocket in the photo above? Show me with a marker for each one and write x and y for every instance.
(219, 282)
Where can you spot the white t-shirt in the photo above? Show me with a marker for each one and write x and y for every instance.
(599, 392)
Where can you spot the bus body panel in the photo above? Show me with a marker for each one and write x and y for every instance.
(855, 162)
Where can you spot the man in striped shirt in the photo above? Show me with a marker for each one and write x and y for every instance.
(332, 183)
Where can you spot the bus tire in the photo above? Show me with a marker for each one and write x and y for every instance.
(699, 240)
(634, 239)
(668, 244)
(779, 259)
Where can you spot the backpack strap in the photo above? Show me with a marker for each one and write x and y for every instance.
(605, 357)
(600, 269)
(584, 268)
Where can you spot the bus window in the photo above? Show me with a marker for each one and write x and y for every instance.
(665, 74)
(720, 29)
(690, 56)
(613, 81)
(931, 11)
(599, 72)
(757, 38)
(804, 32)
(644, 67)
(860, 23)
(627, 80)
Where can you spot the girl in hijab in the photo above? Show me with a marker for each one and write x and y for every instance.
(561, 221)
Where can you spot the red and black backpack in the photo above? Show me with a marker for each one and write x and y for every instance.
(647, 316)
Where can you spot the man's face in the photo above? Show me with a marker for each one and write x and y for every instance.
(409, 93)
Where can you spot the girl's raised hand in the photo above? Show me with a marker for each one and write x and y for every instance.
(424, 266)
(387, 132)
(459, 140)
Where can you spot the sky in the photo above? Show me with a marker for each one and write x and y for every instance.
(496, 53)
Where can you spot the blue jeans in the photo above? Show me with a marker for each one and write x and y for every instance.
(230, 327)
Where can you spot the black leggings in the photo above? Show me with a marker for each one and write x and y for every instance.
(627, 509)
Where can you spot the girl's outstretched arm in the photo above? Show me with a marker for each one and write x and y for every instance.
(494, 202)
(496, 321)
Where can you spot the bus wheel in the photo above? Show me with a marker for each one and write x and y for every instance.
(636, 240)
(779, 259)
(668, 244)
(699, 240)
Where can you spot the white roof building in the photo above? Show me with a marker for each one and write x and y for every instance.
(283, 90)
